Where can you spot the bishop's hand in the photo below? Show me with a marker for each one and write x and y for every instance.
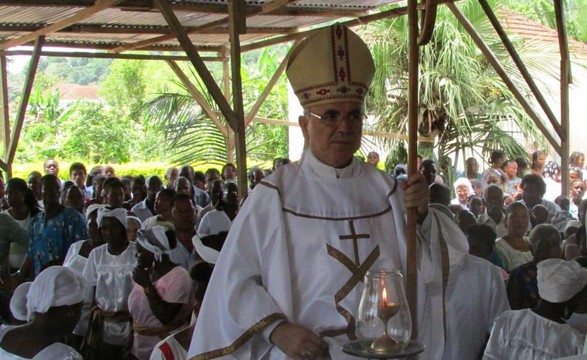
(416, 194)
(298, 342)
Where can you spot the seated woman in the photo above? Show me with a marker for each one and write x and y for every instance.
(54, 303)
(162, 297)
(541, 333)
(175, 346)
(76, 259)
(513, 248)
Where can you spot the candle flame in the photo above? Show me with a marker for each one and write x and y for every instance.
(384, 297)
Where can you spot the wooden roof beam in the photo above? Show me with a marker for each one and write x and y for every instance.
(142, 44)
(196, 60)
(148, 5)
(79, 16)
(142, 29)
(107, 55)
(522, 68)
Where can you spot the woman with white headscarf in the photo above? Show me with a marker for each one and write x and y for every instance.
(162, 298)
(109, 272)
(54, 302)
(76, 259)
(542, 332)
(463, 189)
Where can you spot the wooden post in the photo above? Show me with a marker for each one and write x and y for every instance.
(565, 75)
(26, 93)
(411, 270)
(237, 26)
(4, 110)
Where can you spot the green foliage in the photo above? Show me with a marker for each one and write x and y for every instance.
(97, 132)
(124, 87)
(461, 97)
(81, 71)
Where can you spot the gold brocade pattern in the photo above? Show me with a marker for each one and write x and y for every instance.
(241, 340)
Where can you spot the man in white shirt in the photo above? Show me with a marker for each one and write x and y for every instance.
(494, 215)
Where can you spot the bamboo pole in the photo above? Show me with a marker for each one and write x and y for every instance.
(411, 271)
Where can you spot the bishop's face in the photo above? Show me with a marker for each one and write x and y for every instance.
(333, 143)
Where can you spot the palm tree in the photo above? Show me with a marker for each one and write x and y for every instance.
(192, 137)
(462, 100)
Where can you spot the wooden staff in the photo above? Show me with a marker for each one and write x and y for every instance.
(412, 154)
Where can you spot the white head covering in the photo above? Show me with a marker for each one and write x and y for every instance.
(207, 253)
(92, 208)
(463, 182)
(18, 301)
(154, 240)
(135, 219)
(559, 280)
(119, 214)
(54, 286)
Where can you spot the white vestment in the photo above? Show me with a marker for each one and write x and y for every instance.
(476, 296)
(290, 254)
(523, 334)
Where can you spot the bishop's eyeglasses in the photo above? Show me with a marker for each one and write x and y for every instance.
(333, 118)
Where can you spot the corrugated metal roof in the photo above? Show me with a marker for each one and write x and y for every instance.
(133, 21)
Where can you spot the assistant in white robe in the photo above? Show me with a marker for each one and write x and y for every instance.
(290, 255)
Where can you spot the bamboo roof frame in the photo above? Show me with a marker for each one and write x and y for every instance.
(232, 17)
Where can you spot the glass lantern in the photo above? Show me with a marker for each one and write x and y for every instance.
(384, 325)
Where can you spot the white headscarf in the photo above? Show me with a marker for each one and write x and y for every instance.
(54, 286)
(154, 240)
(119, 214)
(92, 208)
(135, 219)
(559, 280)
(463, 182)
(18, 301)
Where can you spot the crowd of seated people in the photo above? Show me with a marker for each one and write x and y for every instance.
(143, 249)
(132, 242)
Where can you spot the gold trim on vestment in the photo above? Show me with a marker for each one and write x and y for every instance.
(358, 275)
(241, 340)
(336, 218)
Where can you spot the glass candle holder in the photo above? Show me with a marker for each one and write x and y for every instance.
(384, 324)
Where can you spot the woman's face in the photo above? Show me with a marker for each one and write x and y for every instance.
(517, 221)
(74, 198)
(229, 173)
(112, 231)
(15, 197)
(93, 229)
(131, 230)
(462, 193)
(162, 204)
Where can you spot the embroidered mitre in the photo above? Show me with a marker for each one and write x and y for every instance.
(333, 65)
